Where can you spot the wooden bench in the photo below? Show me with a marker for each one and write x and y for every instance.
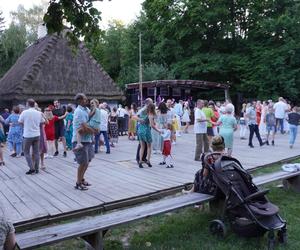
(93, 229)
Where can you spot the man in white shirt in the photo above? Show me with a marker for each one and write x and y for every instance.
(103, 130)
(31, 120)
(121, 119)
(280, 108)
(200, 129)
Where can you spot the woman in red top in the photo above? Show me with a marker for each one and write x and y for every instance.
(50, 130)
(214, 119)
(258, 112)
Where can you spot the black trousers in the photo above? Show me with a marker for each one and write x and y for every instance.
(254, 129)
(121, 125)
(138, 153)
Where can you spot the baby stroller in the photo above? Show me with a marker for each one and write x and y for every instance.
(247, 209)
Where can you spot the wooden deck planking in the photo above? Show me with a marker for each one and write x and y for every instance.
(114, 177)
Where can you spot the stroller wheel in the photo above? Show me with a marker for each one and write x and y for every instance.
(271, 241)
(218, 228)
(282, 236)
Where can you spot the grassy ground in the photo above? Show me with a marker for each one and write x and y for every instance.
(188, 229)
(270, 169)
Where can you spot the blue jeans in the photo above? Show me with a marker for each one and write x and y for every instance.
(293, 133)
(106, 141)
(15, 146)
(280, 121)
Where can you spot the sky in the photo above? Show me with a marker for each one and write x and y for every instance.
(125, 10)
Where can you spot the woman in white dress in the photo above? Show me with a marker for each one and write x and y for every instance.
(186, 117)
(262, 124)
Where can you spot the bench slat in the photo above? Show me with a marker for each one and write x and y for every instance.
(90, 225)
(276, 176)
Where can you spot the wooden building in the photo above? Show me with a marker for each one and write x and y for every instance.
(178, 89)
(49, 70)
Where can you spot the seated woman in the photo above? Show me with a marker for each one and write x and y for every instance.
(218, 146)
(7, 233)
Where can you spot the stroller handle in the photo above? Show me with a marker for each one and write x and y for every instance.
(207, 157)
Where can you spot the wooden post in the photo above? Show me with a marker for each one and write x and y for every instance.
(226, 94)
(94, 241)
(292, 183)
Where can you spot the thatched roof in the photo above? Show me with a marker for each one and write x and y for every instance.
(49, 70)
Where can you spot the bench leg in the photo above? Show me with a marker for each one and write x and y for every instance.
(292, 183)
(94, 241)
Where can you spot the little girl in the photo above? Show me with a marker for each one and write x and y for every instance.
(93, 123)
(166, 134)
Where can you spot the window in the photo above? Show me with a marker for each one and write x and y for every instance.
(164, 91)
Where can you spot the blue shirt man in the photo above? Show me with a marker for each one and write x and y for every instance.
(81, 115)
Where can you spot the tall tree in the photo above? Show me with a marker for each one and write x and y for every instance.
(2, 22)
(79, 15)
(13, 43)
(30, 19)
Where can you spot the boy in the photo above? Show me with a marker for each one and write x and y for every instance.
(167, 146)
(270, 125)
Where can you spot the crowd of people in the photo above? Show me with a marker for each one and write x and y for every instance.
(36, 133)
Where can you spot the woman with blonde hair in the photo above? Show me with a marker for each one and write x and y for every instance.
(218, 148)
(146, 120)
(227, 125)
(186, 117)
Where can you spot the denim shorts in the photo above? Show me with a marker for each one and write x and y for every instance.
(85, 154)
(271, 128)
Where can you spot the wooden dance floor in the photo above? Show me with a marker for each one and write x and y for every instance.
(116, 179)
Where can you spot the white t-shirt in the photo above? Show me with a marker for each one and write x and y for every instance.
(104, 120)
(200, 127)
(31, 119)
(280, 109)
(121, 112)
(170, 115)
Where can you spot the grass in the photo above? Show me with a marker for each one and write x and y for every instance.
(271, 169)
(188, 229)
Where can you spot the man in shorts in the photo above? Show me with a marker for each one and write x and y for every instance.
(85, 154)
(59, 128)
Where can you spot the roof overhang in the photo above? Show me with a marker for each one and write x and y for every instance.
(179, 83)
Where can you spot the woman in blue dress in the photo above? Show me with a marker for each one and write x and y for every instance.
(15, 133)
(146, 123)
(161, 119)
(228, 125)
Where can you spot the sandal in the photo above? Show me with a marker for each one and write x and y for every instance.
(149, 164)
(85, 183)
(162, 163)
(80, 187)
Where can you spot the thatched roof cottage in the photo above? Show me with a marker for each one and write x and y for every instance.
(49, 70)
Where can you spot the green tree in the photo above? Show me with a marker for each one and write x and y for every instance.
(1, 22)
(30, 19)
(12, 43)
(79, 15)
